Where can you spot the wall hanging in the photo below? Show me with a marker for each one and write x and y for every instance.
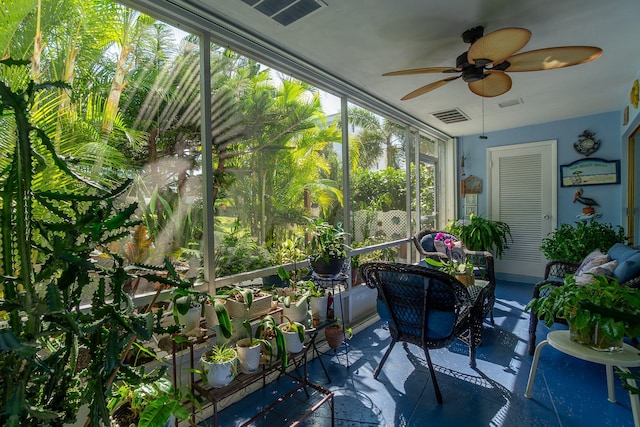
(587, 144)
(590, 172)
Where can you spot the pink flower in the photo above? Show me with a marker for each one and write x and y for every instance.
(449, 243)
(439, 236)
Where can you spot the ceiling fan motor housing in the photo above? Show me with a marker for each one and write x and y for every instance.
(470, 72)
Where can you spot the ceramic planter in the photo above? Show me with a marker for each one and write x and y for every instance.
(219, 374)
(248, 356)
(210, 316)
(191, 319)
(292, 339)
(319, 307)
(296, 312)
(260, 306)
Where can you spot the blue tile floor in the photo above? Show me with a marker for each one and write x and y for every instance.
(567, 391)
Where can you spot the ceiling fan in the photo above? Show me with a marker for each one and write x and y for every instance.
(485, 64)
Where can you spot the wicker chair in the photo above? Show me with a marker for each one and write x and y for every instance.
(554, 273)
(426, 307)
(482, 261)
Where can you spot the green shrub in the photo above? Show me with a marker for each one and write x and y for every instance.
(573, 242)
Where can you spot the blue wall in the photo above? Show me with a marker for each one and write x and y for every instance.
(607, 127)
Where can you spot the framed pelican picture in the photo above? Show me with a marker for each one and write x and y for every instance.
(590, 172)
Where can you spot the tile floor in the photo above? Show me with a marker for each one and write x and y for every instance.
(567, 392)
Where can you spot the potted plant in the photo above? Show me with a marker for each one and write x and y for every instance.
(461, 270)
(573, 242)
(250, 349)
(481, 234)
(601, 306)
(189, 306)
(335, 334)
(246, 302)
(151, 403)
(219, 365)
(294, 334)
(318, 302)
(326, 247)
(294, 298)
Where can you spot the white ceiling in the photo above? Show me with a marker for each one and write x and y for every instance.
(358, 40)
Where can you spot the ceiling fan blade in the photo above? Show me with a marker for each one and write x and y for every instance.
(552, 57)
(495, 83)
(498, 45)
(423, 71)
(428, 88)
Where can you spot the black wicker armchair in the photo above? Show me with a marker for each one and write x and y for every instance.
(426, 307)
(482, 261)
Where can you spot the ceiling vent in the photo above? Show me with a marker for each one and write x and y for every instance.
(511, 103)
(285, 12)
(451, 116)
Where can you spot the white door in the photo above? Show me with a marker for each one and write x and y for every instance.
(522, 192)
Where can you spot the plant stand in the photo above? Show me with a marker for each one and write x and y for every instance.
(331, 282)
(316, 395)
(623, 360)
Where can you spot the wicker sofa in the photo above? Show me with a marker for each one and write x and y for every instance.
(627, 273)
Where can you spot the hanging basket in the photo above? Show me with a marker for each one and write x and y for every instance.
(324, 268)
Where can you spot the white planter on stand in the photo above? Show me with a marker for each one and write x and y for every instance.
(191, 320)
(248, 356)
(292, 339)
(219, 374)
(297, 311)
(319, 308)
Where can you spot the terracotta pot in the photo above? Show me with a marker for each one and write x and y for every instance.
(334, 336)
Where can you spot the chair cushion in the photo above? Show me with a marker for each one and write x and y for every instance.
(621, 252)
(594, 259)
(605, 269)
(440, 324)
(628, 269)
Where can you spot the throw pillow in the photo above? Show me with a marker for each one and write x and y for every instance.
(605, 269)
(594, 259)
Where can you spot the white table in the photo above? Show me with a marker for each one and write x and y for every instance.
(628, 357)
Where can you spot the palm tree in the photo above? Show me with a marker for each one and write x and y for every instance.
(374, 135)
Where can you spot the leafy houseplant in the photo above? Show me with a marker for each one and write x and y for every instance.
(603, 302)
(294, 333)
(219, 365)
(149, 404)
(573, 242)
(481, 234)
(326, 247)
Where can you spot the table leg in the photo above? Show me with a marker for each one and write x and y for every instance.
(611, 391)
(534, 367)
(635, 402)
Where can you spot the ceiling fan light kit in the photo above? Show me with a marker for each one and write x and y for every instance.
(484, 66)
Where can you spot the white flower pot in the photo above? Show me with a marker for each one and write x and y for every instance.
(248, 357)
(191, 319)
(210, 316)
(219, 374)
(319, 307)
(296, 312)
(292, 340)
